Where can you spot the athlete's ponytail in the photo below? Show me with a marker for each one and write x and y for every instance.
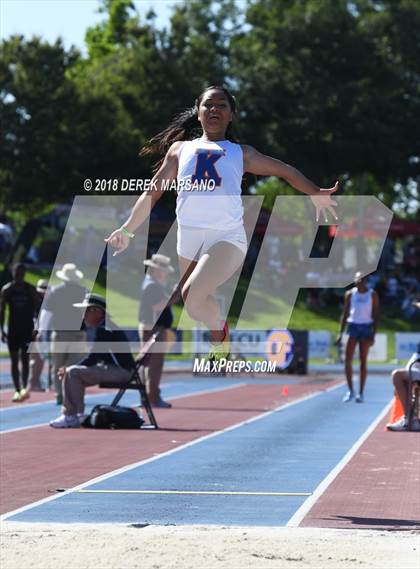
(185, 126)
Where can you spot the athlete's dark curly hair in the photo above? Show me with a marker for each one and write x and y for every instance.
(185, 126)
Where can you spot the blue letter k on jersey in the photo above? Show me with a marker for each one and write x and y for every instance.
(205, 169)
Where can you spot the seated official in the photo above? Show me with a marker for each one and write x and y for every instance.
(400, 378)
(97, 367)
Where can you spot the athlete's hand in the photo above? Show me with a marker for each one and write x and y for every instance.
(118, 240)
(324, 203)
(4, 337)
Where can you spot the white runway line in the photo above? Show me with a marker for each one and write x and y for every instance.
(164, 454)
(26, 405)
(88, 397)
(194, 492)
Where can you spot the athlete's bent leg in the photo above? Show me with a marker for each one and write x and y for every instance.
(212, 270)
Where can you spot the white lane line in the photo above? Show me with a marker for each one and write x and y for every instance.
(164, 454)
(34, 426)
(89, 397)
(298, 516)
(19, 407)
(194, 492)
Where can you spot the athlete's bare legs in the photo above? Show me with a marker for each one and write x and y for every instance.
(350, 347)
(400, 379)
(363, 351)
(212, 270)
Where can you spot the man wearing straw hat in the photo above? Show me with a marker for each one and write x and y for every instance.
(104, 363)
(59, 315)
(153, 301)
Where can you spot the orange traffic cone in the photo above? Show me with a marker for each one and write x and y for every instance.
(397, 410)
(285, 391)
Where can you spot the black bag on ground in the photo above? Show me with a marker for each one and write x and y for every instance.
(107, 417)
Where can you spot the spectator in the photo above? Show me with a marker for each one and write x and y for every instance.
(360, 313)
(372, 280)
(411, 254)
(400, 379)
(409, 306)
(22, 301)
(36, 362)
(96, 367)
(387, 259)
(6, 240)
(60, 316)
(381, 288)
(410, 282)
(393, 286)
(153, 301)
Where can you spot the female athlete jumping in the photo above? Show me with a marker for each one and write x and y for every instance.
(201, 153)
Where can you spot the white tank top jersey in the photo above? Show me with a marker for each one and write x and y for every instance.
(360, 307)
(209, 184)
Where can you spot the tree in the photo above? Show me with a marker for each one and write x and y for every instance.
(145, 76)
(199, 41)
(121, 85)
(333, 87)
(36, 104)
(115, 31)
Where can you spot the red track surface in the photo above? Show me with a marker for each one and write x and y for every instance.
(35, 462)
(36, 397)
(377, 489)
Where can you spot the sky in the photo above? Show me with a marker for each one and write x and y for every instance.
(66, 18)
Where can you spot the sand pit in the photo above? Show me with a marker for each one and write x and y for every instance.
(88, 546)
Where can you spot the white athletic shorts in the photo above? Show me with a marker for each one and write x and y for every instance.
(193, 242)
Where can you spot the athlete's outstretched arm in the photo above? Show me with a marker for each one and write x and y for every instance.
(167, 172)
(262, 165)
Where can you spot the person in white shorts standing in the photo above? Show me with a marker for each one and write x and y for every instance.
(200, 152)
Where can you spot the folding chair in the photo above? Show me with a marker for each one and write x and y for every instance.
(413, 395)
(136, 382)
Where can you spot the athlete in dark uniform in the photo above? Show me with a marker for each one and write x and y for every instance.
(22, 300)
